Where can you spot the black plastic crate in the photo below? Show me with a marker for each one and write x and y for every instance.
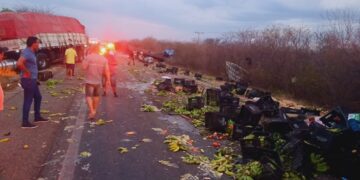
(268, 106)
(321, 137)
(190, 89)
(172, 70)
(189, 82)
(241, 90)
(276, 124)
(302, 111)
(252, 93)
(160, 65)
(261, 154)
(230, 111)
(228, 86)
(179, 81)
(229, 101)
(195, 103)
(336, 118)
(166, 85)
(198, 76)
(241, 131)
(216, 121)
(212, 97)
(250, 114)
(242, 84)
(45, 75)
(310, 112)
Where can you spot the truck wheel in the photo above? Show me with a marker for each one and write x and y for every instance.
(43, 61)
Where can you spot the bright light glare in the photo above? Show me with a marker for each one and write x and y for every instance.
(110, 46)
(103, 50)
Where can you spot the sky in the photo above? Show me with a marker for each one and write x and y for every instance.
(180, 19)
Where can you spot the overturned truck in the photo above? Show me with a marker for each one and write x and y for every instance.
(55, 32)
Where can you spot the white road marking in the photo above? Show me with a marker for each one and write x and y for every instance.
(72, 153)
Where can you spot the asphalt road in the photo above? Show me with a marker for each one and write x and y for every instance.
(123, 115)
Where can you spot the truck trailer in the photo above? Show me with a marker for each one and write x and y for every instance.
(55, 32)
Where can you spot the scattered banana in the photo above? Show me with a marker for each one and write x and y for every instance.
(193, 159)
(178, 143)
(248, 171)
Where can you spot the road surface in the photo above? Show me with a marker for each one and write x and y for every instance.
(123, 116)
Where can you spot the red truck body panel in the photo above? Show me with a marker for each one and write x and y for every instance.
(22, 25)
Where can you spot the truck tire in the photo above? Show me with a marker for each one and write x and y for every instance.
(43, 61)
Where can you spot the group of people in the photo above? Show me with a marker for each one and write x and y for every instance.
(100, 71)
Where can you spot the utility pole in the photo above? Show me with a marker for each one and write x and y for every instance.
(198, 36)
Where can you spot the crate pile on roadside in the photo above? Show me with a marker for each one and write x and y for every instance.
(287, 141)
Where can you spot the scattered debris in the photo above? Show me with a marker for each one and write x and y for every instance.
(13, 108)
(7, 134)
(130, 133)
(51, 84)
(85, 154)
(188, 177)
(4, 140)
(100, 122)
(69, 128)
(178, 143)
(146, 140)
(85, 167)
(168, 163)
(148, 108)
(123, 150)
(193, 159)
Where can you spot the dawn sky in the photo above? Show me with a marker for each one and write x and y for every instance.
(179, 19)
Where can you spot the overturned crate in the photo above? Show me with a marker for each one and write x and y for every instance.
(190, 87)
(196, 102)
(198, 76)
(213, 97)
(256, 93)
(268, 106)
(179, 81)
(216, 121)
(165, 85)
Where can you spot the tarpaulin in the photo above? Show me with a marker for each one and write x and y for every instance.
(21, 25)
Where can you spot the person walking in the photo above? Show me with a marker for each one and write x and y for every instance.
(70, 60)
(95, 67)
(112, 68)
(27, 64)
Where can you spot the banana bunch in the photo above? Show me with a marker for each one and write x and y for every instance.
(319, 163)
(192, 159)
(291, 175)
(178, 143)
(198, 123)
(223, 164)
(248, 171)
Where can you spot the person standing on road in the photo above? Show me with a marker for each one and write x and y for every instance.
(70, 60)
(95, 67)
(27, 63)
(112, 68)
(1, 90)
(132, 58)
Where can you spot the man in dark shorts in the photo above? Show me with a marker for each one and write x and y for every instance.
(111, 59)
(27, 63)
(70, 60)
(95, 67)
